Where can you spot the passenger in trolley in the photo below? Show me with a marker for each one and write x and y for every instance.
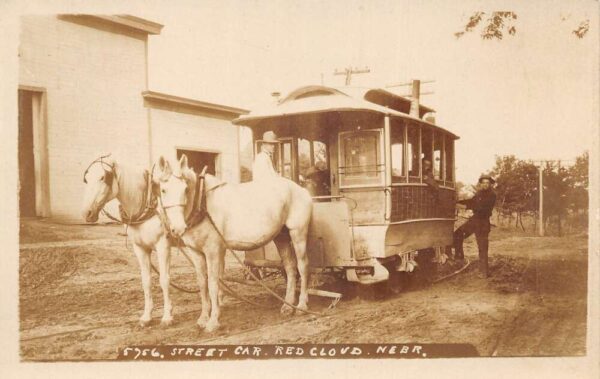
(429, 179)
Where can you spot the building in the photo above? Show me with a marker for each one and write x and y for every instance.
(83, 91)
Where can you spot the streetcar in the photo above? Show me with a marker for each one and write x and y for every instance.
(362, 152)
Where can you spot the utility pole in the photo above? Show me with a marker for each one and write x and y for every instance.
(541, 193)
(541, 196)
(411, 84)
(348, 71)
(415, 98)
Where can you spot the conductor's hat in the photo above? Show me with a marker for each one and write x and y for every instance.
(488, 177)
(270, 137)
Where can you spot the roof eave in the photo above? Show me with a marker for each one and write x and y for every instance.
(132, 22)
(152, 98)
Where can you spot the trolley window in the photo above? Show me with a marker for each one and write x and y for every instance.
(320, 155)
(413, 153)
(312, 155)
(287, 160)
(438, 158)
(304, 158)
(449, 154)
(397, 150)
(361, 160)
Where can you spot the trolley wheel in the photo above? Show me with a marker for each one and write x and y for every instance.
(398, 282)
(427, 269)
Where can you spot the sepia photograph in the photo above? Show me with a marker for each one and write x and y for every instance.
(321, 180)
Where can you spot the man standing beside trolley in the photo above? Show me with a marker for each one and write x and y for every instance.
(482, 205)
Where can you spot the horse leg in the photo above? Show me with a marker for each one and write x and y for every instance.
(199, 261)
(221, 275)
(299, 240)
(143, 256)
(213, 256)
(282, 242)
(163, 250)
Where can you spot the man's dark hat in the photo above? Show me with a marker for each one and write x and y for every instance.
(488, 177)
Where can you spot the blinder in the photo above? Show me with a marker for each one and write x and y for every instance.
(109, 176)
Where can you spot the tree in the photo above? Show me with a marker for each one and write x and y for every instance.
(516, 187)
(578, 182)
(556, 189)
(498, 23)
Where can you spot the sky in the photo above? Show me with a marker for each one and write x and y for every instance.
(532, 95)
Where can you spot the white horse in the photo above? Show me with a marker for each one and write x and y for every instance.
(240, 217)
(105, 179)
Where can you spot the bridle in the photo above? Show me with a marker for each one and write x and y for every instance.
(109, 174)
(109, 179)
(198, 204)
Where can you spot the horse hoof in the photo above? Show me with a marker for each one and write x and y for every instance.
(303, 307)
(202, 322)
(166, 323)
(286, 310)
(144, 323)
(211, 327)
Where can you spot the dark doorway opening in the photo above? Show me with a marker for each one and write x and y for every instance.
(198, 159)
(27, 201)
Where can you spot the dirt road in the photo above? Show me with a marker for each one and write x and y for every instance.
(81, 296)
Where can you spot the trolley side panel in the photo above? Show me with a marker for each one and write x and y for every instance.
(417, 235)
(329, 238)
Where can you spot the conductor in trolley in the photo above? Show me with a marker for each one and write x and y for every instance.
(482, 205)
(262, 168)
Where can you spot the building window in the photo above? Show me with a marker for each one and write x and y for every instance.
(199, 159)
(361, 160)
(397, 149)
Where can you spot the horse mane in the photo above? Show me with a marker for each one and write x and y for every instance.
(191, 178)
(133, 188)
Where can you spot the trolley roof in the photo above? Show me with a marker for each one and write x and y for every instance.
(319, 99)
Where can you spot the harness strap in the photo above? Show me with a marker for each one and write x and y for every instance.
(150, 203)
(197, 213)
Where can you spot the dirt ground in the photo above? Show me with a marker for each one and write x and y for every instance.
(81, 296)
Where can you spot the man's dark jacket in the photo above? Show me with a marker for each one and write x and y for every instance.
(482, 203)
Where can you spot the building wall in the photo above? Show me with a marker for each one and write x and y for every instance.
(172, 130)
(93, 79)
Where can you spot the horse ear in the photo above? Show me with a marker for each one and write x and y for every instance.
(183, 162)
(164, 166)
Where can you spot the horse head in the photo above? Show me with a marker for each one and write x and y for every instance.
(177, 190)
(100, 186)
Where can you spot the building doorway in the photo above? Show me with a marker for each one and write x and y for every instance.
(198, 159)
(33, 163)
(26, 158)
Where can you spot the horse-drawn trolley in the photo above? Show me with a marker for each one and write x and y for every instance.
(381, 177)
